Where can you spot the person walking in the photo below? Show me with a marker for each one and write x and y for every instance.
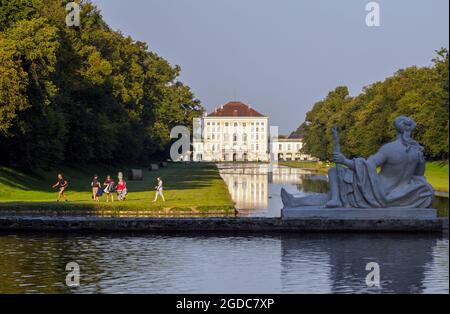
(159, 189)
(95, 187)
(121, 187)
(62, 184)
(109, 187)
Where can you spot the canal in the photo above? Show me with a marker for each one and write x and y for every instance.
(234, 263)
(309, 263)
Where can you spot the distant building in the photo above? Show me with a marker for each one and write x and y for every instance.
(237, 132)
(233, 132)
(289, 148)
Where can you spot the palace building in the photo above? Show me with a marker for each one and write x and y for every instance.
(237, 132)
(233, 132)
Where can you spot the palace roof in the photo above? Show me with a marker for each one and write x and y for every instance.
(235, 109)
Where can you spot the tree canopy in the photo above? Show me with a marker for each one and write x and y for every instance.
(82, 94)
(365, 121)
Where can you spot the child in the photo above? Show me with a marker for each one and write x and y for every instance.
(159, 189)
(109, 187)
(62, 184)
(95, 186)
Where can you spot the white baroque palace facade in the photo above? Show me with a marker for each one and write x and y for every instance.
(237, 132)
(233, 132)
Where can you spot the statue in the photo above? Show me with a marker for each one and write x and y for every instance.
(355, 183)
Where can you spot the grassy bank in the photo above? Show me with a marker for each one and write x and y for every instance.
(307, 165)
(436, 171)
(194, 188)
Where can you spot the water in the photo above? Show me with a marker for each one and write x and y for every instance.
(255, 188)
(315, 263)
(219, 263)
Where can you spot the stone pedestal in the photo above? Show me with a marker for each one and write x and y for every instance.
(358, 213)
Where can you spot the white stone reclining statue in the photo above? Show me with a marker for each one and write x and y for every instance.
(355, 183)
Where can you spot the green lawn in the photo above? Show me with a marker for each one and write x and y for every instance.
(436, 171)
(437, 174)
(193, 188)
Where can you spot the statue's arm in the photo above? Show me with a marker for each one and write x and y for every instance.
(420, 169)
(339, 158)
(379, 158)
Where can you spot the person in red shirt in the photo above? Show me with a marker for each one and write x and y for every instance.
(121, 188)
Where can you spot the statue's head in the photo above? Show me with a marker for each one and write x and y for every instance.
(404, 124)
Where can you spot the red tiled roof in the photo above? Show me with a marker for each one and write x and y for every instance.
(235, 109)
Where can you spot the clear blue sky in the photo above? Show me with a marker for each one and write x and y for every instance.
(282, 56)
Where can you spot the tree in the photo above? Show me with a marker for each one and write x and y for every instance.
(81, 95)
(365, 121)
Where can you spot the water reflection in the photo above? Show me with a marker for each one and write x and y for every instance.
(316, 263)
(255, 188)
(405, 262)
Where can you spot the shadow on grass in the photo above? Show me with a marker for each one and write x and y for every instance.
(175, 176)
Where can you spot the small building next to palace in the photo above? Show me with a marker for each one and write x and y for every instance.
(290, 148)
(237, 132)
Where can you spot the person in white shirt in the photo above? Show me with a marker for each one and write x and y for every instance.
(159, 189)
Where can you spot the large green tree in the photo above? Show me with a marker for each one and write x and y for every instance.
(365, 121)
(82, 94)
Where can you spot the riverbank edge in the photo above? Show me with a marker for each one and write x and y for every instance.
(226, 225)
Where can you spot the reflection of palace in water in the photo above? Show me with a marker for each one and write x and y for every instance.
(249, 184)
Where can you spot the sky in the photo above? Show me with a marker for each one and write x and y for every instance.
(282, 56)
